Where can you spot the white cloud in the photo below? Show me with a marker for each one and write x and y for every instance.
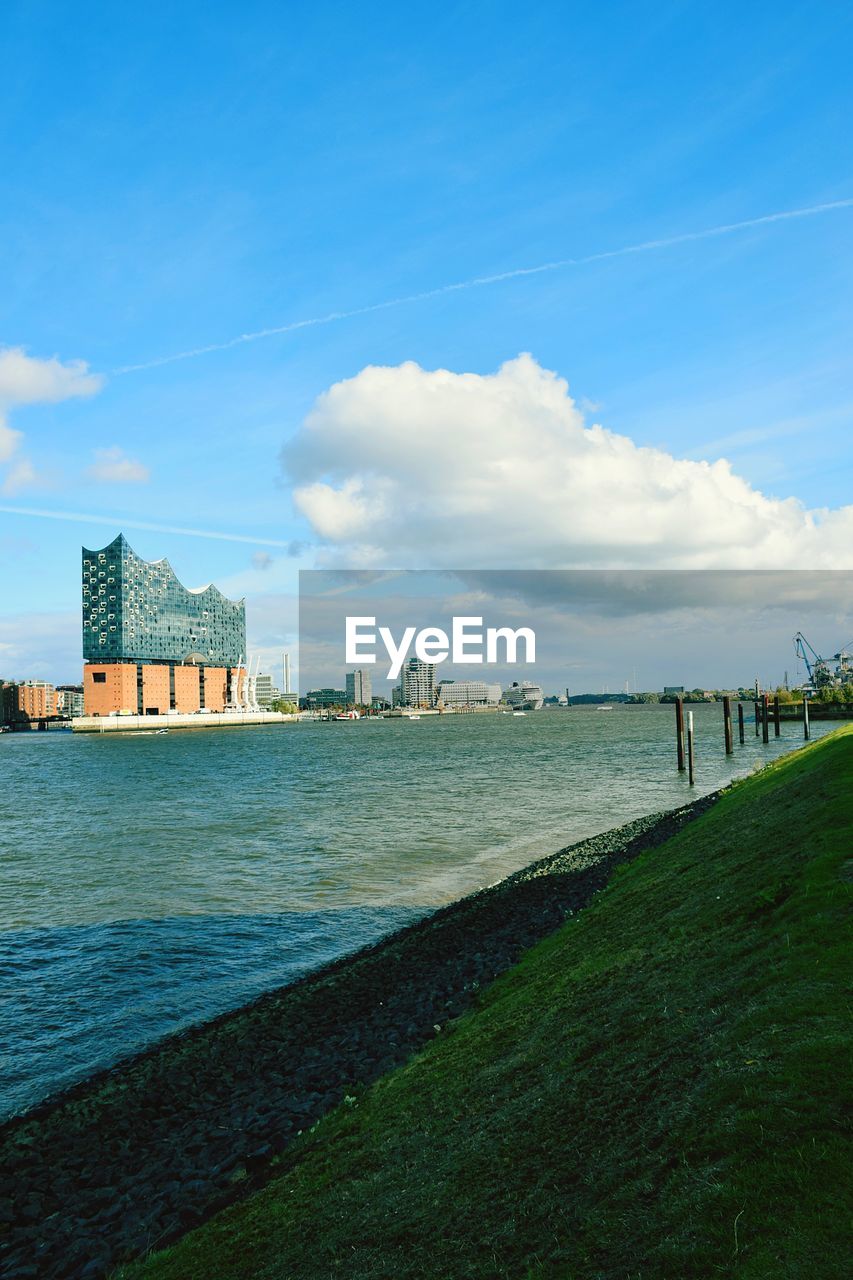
(27, 380)
(261, 560)
(20, 475)
(9, 441)
(405, 466)
(112, 466)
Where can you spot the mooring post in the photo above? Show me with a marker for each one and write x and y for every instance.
(777, 718)
(806, 727)
(727, 722)
(740, 722)
(757, 716)
(765, 718)
(679, 733)
(690, 747)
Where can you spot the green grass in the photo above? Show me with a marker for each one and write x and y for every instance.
(655, 1091)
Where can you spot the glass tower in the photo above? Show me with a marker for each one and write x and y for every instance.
(137, 611)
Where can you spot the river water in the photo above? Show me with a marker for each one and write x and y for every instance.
(149, 882)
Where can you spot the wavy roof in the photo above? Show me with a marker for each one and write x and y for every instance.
(120, 543)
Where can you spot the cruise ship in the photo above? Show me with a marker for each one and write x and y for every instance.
(524, 696)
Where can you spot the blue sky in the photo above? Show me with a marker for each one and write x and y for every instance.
(175, 176)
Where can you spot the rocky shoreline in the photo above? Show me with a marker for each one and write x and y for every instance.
(133, 1158)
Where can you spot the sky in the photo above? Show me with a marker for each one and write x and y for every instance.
(674, 389)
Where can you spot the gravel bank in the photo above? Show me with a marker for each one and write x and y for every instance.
(143, 1152)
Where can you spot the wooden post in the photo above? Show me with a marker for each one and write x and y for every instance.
(690, 775)
(740, 722)
(757, 716)
(727, 723)
(765, 718)
(777, 719)
(679, 733)
(806, 727)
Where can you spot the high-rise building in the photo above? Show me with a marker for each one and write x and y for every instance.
(150, 644)
(359, 688)
(417, 684)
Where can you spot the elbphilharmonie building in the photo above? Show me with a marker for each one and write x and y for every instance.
(150, 644)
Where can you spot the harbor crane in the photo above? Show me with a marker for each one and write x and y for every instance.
(820, 673)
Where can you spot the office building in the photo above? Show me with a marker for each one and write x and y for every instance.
(468, 693)
(359, 688)
(266, 692)
(318, 699)
(152, 645)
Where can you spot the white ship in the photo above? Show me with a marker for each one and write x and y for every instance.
(524, 696)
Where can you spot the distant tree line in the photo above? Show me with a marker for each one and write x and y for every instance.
(694, 695)
(829, 695)
(840, 694)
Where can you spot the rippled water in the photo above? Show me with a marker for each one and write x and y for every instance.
(149, 882)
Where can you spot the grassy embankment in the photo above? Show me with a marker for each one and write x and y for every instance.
(655, 1091)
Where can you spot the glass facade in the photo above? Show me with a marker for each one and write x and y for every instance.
(137, 611)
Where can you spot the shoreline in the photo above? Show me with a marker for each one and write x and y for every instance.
(142, 1151)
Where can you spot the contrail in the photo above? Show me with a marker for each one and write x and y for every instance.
(119, 522)
(479, 282)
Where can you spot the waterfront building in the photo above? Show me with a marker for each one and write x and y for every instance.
(417, 684)
(266, 692)
(359, 688)
(318, 699)
(468, 693)
(8, 701)
(152, 645)
(69, 700)
(35, 700)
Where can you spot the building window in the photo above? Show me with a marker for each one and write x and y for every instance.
(99, 677)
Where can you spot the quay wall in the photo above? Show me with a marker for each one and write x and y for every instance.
(175, 720)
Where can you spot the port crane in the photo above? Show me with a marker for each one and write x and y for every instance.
(820, 673)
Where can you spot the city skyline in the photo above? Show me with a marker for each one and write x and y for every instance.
(595, 631)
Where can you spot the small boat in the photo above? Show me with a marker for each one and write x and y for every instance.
(161, 730)
(413, 717)
(519, 713)
(607, 706)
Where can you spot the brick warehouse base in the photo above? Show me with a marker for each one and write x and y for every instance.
(155, 688)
